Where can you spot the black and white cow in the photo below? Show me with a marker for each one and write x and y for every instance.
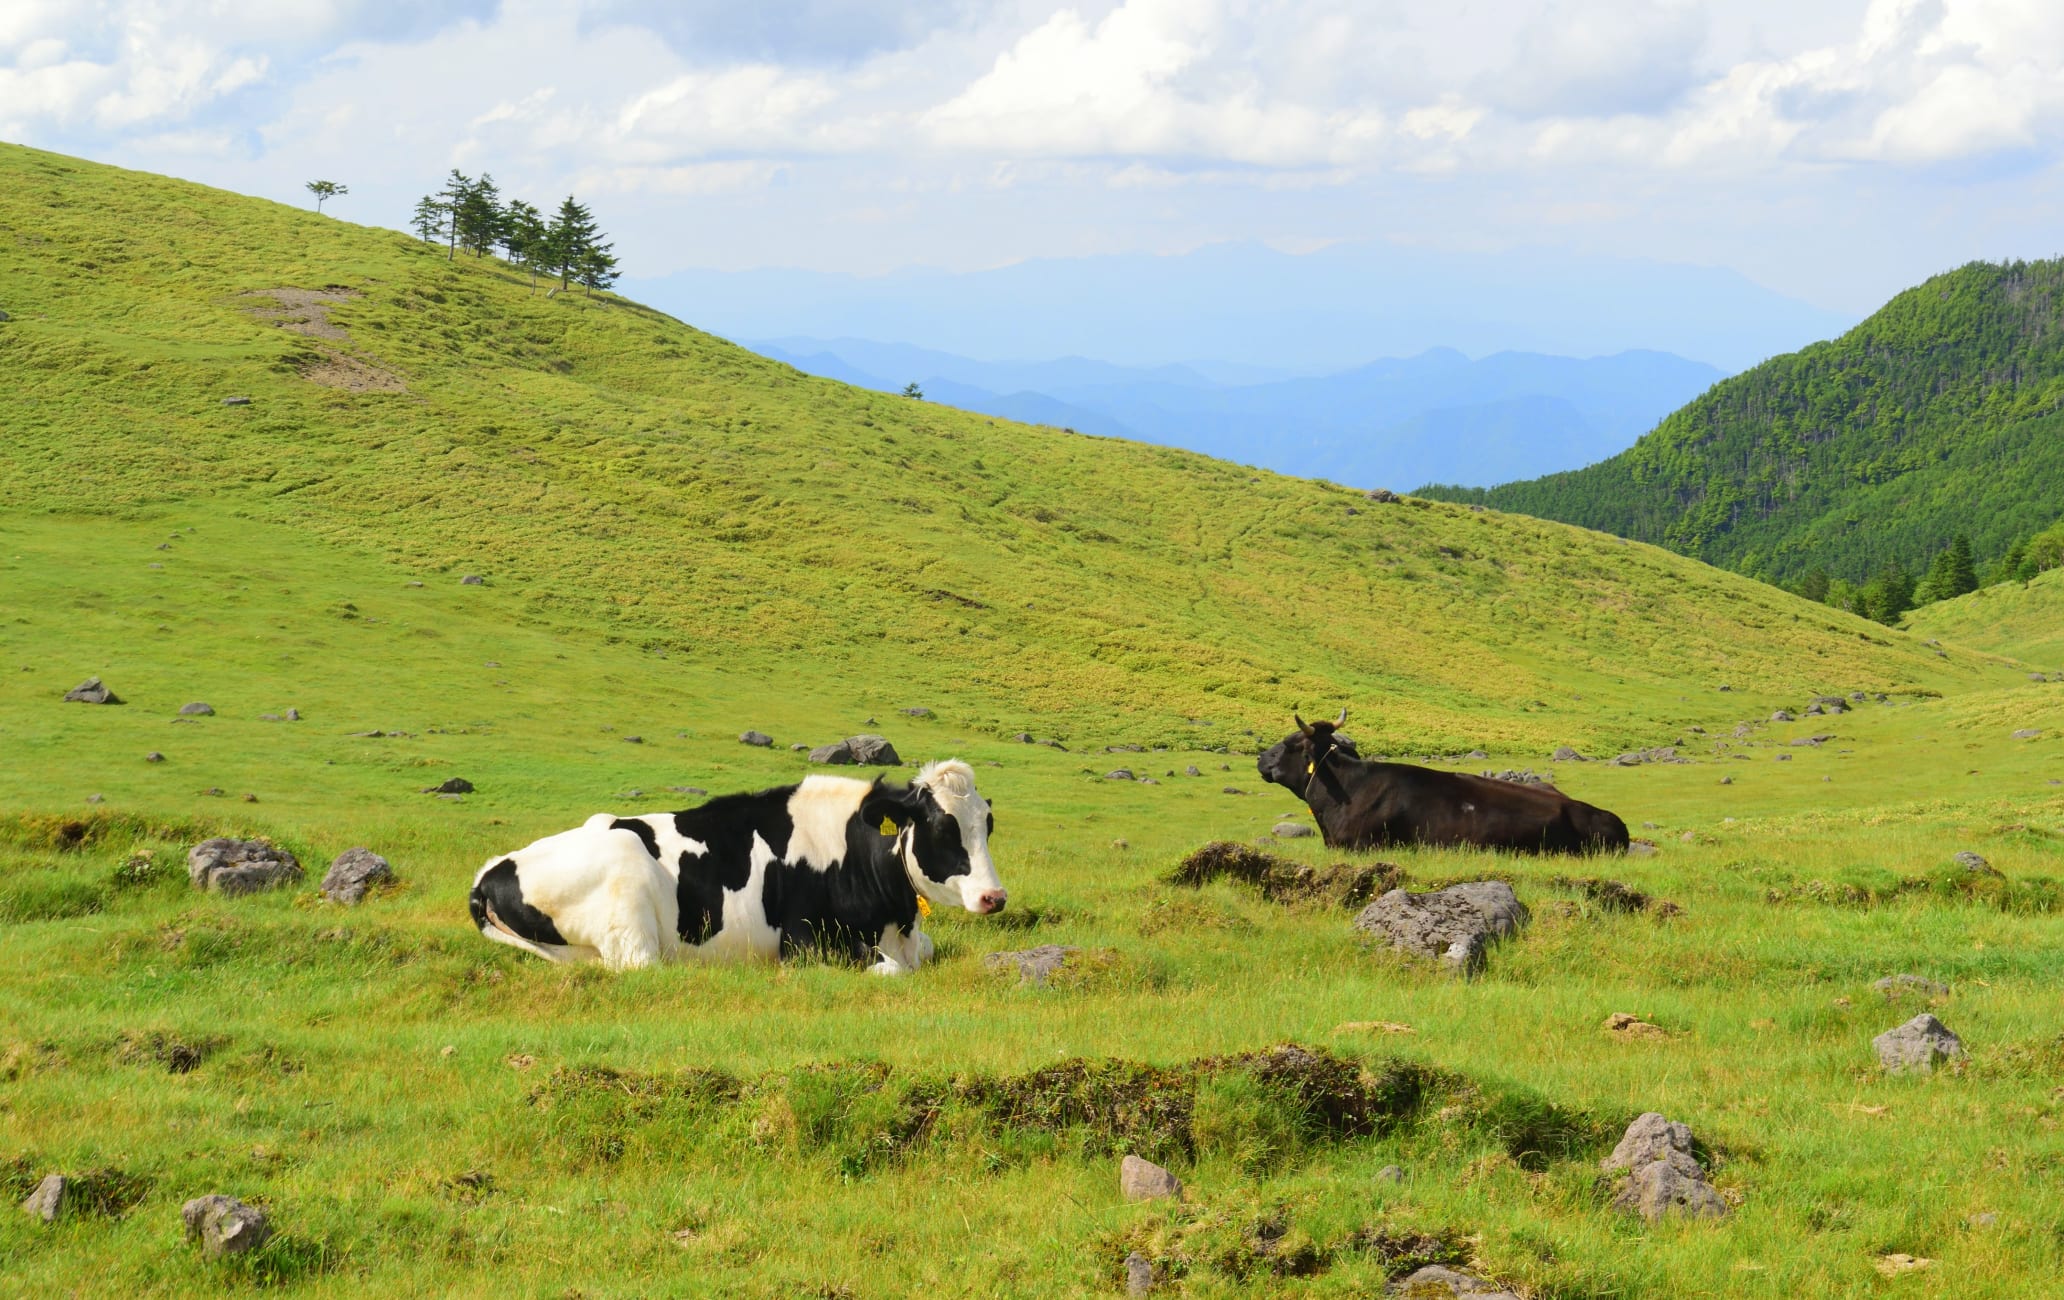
(833, 864)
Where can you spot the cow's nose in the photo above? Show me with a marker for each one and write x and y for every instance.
(992, 900)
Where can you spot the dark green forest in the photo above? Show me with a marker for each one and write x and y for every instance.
(1860, 459)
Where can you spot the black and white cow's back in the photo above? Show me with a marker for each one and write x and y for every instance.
(831, 864)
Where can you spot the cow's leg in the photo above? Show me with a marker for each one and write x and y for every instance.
(900, 954)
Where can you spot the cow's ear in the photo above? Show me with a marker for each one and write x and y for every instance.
(887, 809)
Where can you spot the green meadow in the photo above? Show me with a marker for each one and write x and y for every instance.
(680, 541)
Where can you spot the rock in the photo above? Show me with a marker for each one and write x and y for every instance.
(451, 785)
(197, 710)
(1454, 926)
(1024, 738)
(1124, 749)
(154, 757)
(1782, 715)
(634, 740)
(1917, 1045)
(240, 866)
(1439, 1282)
(1897, 986)
(919, 712)
(1034, 965)
(1191, 770)
(352, 873)
(1832, 703)
(1139, 1274)
(857, 751)
(96, 798)
(225, 1225)
(2027, 733)
(1476, 755)
(799, 748)
(1814, 741)
(1659, 754)
(1233, 789)
(1727, 780)
(472, 580)
(1384, 495)
(1689, 837)
(1291, 830)
(1143, 1180)
(1784, 758)
(1390, 1174)
(1564, 754)
(236, 401)
(293, 715)
(2038, 677)
(47, 1202)
(688, 789)
(1119, 774)
(1663, 1174)
(1898, 1262)
(1974, 864)
(91, 691)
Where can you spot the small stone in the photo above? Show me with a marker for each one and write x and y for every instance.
(1784, 758)
(798, 748)
(154, 757)
(448, 1050)
(236, 401)
(1143, 1180)
(1564, 754)
(917, 712)
(1689, 837)
(1291, 830)
(1383, 495)
(521, 1060)
(91, 691)
(688, 789)
(1121, 844)
(1917, 1046)
(1234, 789)
(1975, 864)
(1191, 770)
(1727, 780)
(1034, 965)
(1782, 715)
(352, 873)
(2027, 733)
(250, 798)
(1390, 1174)
(1023, 738)
(1139, 1274)
(1626, 1025)
(1898, 1262)
(225, 1225)
(1897, 986)
(1119, 774)
(197, 710)
(451, 785)
(293, 715)
(1439, 1282)
(634, 740)
(858, 751)
(47, 1202)
(472, 580)
(96, 798)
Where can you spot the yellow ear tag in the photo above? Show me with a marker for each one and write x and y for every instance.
(1310, 768)
(888, 826)
(923, 908)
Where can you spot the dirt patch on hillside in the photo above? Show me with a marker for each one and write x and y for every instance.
(307, 312)
(1280, 880)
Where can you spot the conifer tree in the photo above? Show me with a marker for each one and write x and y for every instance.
(524, 234)
(596, 268)
(573, 233)
(428, 221)
(1961, 574)
(326, 190)
(478, 216)
(458, 187)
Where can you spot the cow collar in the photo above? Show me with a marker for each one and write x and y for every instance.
(1311, 772)
(905, 849)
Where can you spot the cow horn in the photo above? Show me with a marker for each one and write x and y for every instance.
(1341, 721)
(1302, 725)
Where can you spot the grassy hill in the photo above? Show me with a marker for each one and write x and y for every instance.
(2023, 620)
(617, 470)
(680, 541)
(1938, 415)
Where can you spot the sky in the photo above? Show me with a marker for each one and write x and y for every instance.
(1832, 151)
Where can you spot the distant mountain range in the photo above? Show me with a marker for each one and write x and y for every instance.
(1941, 414)
(1435, 417)
(1304, 313)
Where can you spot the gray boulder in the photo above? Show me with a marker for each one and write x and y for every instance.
(858, 751)
(47, 1202)
(352, 873)
(1291, 830)
(1564, 754)
(759, 739)
(1975, 864)
(2028, 733)
(472, 580)
(1191, 770)
(1119, 774)
(1383, 495)
(1663, 1176)
(1782, 715)
(197, 710)
(1139, 1274)
(1917, 1046)
(91, 691)
(1454, 926)
(1439, 1282)
(1143, 1180)
(229, 866)
(450, 785)
(225, 1225)
(918, 712)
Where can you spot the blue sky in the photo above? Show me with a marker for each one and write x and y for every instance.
(1831, 150)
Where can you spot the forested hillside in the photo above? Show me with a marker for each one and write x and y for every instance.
(1939, 415)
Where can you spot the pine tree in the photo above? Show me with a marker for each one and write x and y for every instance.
(326, 190)
(478, 216)
(458, 187)
(573, 232)
(1889, 596)
(1962, 574)
(524, 234)
(1814, 586)
(596, 268)
(429, 219)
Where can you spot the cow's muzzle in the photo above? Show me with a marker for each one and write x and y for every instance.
(989, 902)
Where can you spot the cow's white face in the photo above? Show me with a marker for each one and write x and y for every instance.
(946, 844)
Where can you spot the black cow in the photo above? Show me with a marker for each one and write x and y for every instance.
(1359, 804)
(830, 864)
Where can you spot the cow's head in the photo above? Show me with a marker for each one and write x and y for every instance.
(942, 836)
(1294, 761)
